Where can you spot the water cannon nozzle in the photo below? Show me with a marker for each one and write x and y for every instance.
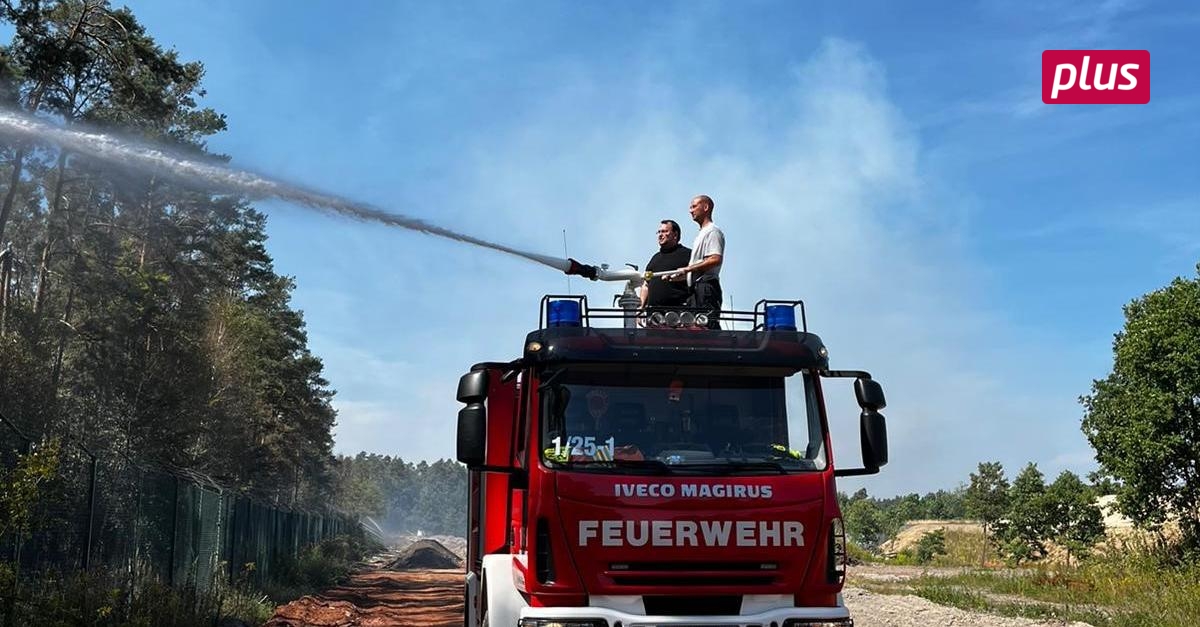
(582, 269)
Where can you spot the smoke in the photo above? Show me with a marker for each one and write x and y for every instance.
(222, 178)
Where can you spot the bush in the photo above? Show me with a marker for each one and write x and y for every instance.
(855, 554)
(932, 544)
(319, 567)
(53, 599)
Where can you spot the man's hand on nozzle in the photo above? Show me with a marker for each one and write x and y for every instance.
(677, 275)
(582, 269)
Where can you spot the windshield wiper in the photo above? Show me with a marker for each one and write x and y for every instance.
(548, 381)
(653, 466)
(731, 466)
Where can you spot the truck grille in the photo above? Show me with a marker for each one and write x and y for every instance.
(665, 579)
(692, 573)
(711, 605)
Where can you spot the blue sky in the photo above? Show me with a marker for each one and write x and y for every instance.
(891, 164)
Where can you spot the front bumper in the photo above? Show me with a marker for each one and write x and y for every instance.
(781, 617)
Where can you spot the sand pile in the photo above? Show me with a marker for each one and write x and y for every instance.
(425, 554)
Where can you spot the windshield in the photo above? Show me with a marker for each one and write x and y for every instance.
(630, 421)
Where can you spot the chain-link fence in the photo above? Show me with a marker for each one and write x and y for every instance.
(66, 510)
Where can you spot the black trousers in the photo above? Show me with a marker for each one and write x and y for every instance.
(706, 294)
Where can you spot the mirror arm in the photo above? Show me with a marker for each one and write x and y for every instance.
(844, 374)
(854, 472)
(500, 469)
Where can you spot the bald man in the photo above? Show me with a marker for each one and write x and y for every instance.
(703, 272)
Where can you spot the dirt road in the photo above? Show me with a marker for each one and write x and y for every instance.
(433, 598)
(382, 598)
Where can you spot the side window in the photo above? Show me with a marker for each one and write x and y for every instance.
(804, 431)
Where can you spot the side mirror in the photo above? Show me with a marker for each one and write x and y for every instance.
(869, 394)
(872, 426)
(473, 387)
(472, 432)
(873, 433)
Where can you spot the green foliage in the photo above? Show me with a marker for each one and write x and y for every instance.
(1141, 420)
(932, 544)
(1073, 520)
(21, 488)
(964, 548)
(986, 498)
(871, 521)
(1024, 531)
(147, 318)
(856, 554)
(107, 600)
(319, 567)
(864, 523)
(403, 496)
(1130, 590)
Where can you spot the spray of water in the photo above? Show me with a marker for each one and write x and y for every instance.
(230, 180)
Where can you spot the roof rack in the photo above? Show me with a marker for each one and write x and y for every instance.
(590, 317)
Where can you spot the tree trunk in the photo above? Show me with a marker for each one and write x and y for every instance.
(10, 197)
(6, 265)
(62, 340)
(43, 283)
(983, 555)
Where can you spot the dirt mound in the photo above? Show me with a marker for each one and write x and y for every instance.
(456, 544)
(912, 531)
(425, 554)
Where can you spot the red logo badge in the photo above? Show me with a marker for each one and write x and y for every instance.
(1096, 76)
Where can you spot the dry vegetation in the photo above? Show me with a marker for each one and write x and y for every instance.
(1130, 580)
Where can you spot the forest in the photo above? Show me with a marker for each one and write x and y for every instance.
(139, 316)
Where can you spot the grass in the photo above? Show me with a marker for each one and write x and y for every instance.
(963, 548)
(318, 567)
(54, 599)
(1105, 592)
(1135, 585)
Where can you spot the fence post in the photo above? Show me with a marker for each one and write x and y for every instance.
(91, 518)
(174, 531)
(10, 604)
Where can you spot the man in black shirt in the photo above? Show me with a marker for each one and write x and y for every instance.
(658, 292)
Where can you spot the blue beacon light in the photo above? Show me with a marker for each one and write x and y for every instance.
(564, 313)
(781, 318)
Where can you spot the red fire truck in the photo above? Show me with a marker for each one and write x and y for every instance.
(638, 475)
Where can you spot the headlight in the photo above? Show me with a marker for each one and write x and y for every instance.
(837, 551)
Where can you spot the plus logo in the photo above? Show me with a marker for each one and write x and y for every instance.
(1096, 76)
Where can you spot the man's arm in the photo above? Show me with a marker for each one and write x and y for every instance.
(704, 264)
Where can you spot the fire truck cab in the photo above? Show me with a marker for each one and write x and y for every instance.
(640, 475)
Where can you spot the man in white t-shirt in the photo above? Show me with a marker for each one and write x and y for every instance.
(708, 252)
